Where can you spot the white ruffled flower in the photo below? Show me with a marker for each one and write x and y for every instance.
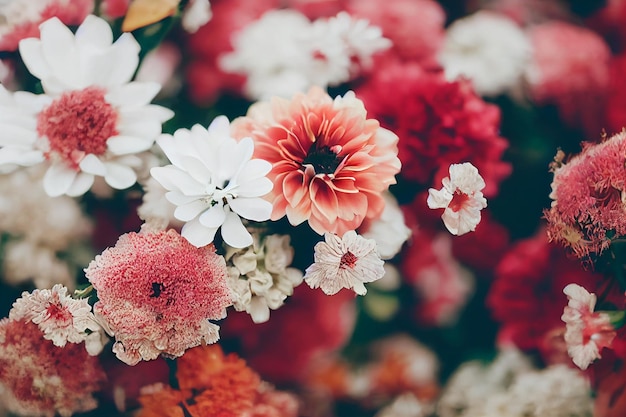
(91, 121)
(283, 52)
(60, 318)
(489, 49)
(346, 262)
(460, 197)
(24, 261)
(214, 183)
(260, 276)
(389, 230)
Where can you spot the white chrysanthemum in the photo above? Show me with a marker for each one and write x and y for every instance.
(214, 183)
(91, 121)
(346, 262)
(260, 278)
(24, 261)
(283, 52)
(60, 317)
(389, 230)
(196, 14)
(489, 49)
(460, 197)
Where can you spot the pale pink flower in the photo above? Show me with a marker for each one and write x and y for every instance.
(60, 317)
(587, 332)
(157, 293)
(330, 163)
(346, 262)
(460, 197)
(38, 378)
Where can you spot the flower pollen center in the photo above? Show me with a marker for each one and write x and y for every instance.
(78, 123)
(58, 314)
(348, 260)
(458, 201)
(324, 160)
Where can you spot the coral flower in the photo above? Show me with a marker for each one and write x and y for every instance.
(330, 163)
(157, 292)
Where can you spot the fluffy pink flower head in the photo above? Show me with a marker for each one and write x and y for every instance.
(157, 292)
(588, 194)
(587, 333)
(460, 197)
(41, 379)
(330, 163)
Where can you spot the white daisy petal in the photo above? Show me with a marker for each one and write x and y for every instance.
(125, 51)
(13, 135)
(58, 179)
(119, 176)
(189, 211)
(94, 32)
(134, 94)
(213, 217)
(255, 209)
(123, 145)
(32, 55)
(57, 43)
(81, 184)
(197, 234)
(234, 233)
(173, 178)
(93, 165)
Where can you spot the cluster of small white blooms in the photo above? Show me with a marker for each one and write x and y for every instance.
(60, 317)
(284, 52)
(214, 183)
(473, 383)
(25, 261)
(197, 13)
(389, 230)
(405, 405)
(557, 391)
(488, 48)
(260, 278)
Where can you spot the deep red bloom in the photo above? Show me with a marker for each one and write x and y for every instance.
(439, 123)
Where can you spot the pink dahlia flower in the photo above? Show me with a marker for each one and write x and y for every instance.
(330, 163)
(157, 293)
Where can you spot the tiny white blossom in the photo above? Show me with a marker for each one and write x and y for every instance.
(389, 230)
(460, 197)
(214, 182)
(346, 262)
(196, 14)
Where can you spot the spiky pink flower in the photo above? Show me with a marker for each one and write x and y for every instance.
(157, 293)
(42, 379)
(330, 163)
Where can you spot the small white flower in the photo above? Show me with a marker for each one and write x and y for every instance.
(214, 182)
(61, 318)
(489, 49)
(196, 14)
(25, 261)
(389, 230)
(91, 121)
(460, 197)
(346, 262)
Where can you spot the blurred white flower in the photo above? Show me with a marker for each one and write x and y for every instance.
(460, 197)
(489, 49)
(344, 262)
(389, 230)
(25, 261)
(91, 121)
(197, 13)
(214, 182)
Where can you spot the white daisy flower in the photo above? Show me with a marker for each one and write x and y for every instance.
(460, 197)
(60, 317)
(488, 48)
(346, 262)
(214, 182)
(91, 121)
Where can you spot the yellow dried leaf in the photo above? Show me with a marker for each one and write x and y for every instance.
(145, 12)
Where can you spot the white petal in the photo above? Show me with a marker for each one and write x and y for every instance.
(12, 135)
(255, 209)
(58, 179)
(178, 199)
(94, 32)
(168, 145)
(234, 233)
(253, 169)
(141, 127)
(125, 52)
(194, 167)
(119, 176)
(82, 183)
(190, 211)
(220, 127)
(11, 156)
(172, 178)
(197, 234)
(438, 198)
(213, 217)
(134, 94)
(32, 55)
(59, 50)
(123, 145)
(149, 111)
(255, 188)
(93, 165)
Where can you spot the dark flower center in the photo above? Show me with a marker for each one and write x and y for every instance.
(458, 200)
(323, 159)
(348, 260)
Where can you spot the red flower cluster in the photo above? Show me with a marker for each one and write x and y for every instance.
(439, 123)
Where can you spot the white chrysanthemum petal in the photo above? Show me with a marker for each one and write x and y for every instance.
(93, 165)
(254, 168)
(139, 126)
(119, 176)
(191, 210)
(124, 145)
(255, 209)
(94, 32)
(177, 198)
(81, 184)
(32, 56)
(134, 94)
(214, 217)
(195, 168)
(438, 198)
(173, 178)
(219, 127)
(59, 50)
(58, 179)
(234, 233)
(255, 188)
(197, 234)
(14, 135)
(125, 51)
(9, 157)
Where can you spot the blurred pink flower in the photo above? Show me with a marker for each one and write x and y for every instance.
(587, 333)
(156, 294)
(331, 164)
